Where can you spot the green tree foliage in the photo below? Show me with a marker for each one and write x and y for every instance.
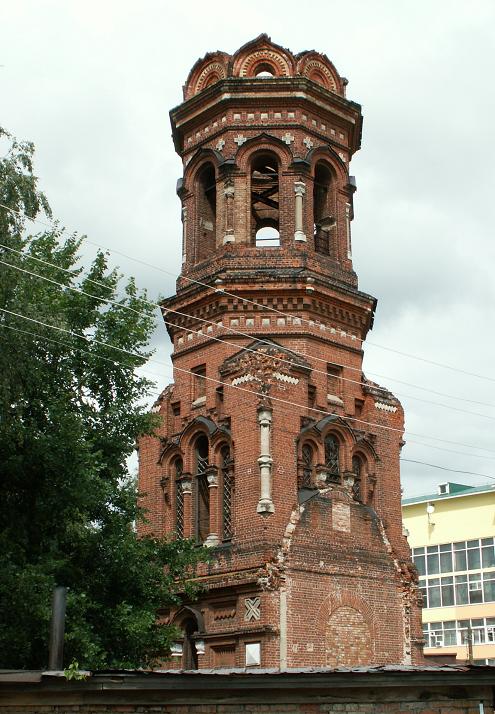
(70, 413)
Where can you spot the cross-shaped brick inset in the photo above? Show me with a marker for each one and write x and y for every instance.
(308, 143)
(288, 138)
(220, 144)
(239, 140)
(253, 608)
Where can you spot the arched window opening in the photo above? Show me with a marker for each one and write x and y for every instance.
(227, 493)
(323, 213)
(264, 70)
(206, 212)
(267, 237)
(202, 490)
(332, 465)
(264, 197)
(179, 498)
(189, 652)
(306, 473)
(357, 469)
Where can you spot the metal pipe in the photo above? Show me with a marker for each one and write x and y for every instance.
(57, 629)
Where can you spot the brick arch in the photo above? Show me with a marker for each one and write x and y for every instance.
(348, 639)
(262, 51)
(196, 165)
(331, 158)
(366, 451)
(213, 64)
(168, 454)
(218, 441)
(339, 606)
(319, 69)
(201, 426)
(263, 143)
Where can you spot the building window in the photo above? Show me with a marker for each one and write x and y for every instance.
(306, 472)
(265, 200)
(455, 557)
(467, 589)
(227, 493)
(456, 633)
(199, 385)
(253, 654)
(179, 498)
(458, 559)
(357, 469)
(202, 492)
(332, 458)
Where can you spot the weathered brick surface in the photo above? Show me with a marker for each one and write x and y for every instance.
(339, 559)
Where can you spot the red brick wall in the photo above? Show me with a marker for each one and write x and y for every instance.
(342, 563)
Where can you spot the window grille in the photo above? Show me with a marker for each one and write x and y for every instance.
(307, 466)
(332, 458)
(202, 490)
(179, 500)
(227, 494)
(357, 466)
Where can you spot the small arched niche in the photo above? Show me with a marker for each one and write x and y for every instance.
(265, 200)
(324, 210)
(206, 211)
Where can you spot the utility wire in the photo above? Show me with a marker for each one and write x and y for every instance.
(118, 363)
(249, 391)
(444, 468)
(257, 304)
(212, 337)
(157, 394)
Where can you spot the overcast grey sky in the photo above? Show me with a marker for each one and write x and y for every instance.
(91, 83)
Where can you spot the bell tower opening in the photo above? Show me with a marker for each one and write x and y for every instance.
(206, 212)
(323, 210)
(265, 219)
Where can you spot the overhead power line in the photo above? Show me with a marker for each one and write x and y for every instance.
(249, 391)
(279, 428)
(213, 337)
(254, 302)
(445, 468)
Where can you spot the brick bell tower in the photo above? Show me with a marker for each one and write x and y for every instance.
(275, 450)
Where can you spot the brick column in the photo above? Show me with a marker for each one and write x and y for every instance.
(184, 233)
(265, 504)
(212, 476)
(228, 192)
(186, 485)
(299, 190)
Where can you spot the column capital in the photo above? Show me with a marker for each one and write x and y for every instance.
(264, 416)
(186, 483)
(212, 476)
(299, 188)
